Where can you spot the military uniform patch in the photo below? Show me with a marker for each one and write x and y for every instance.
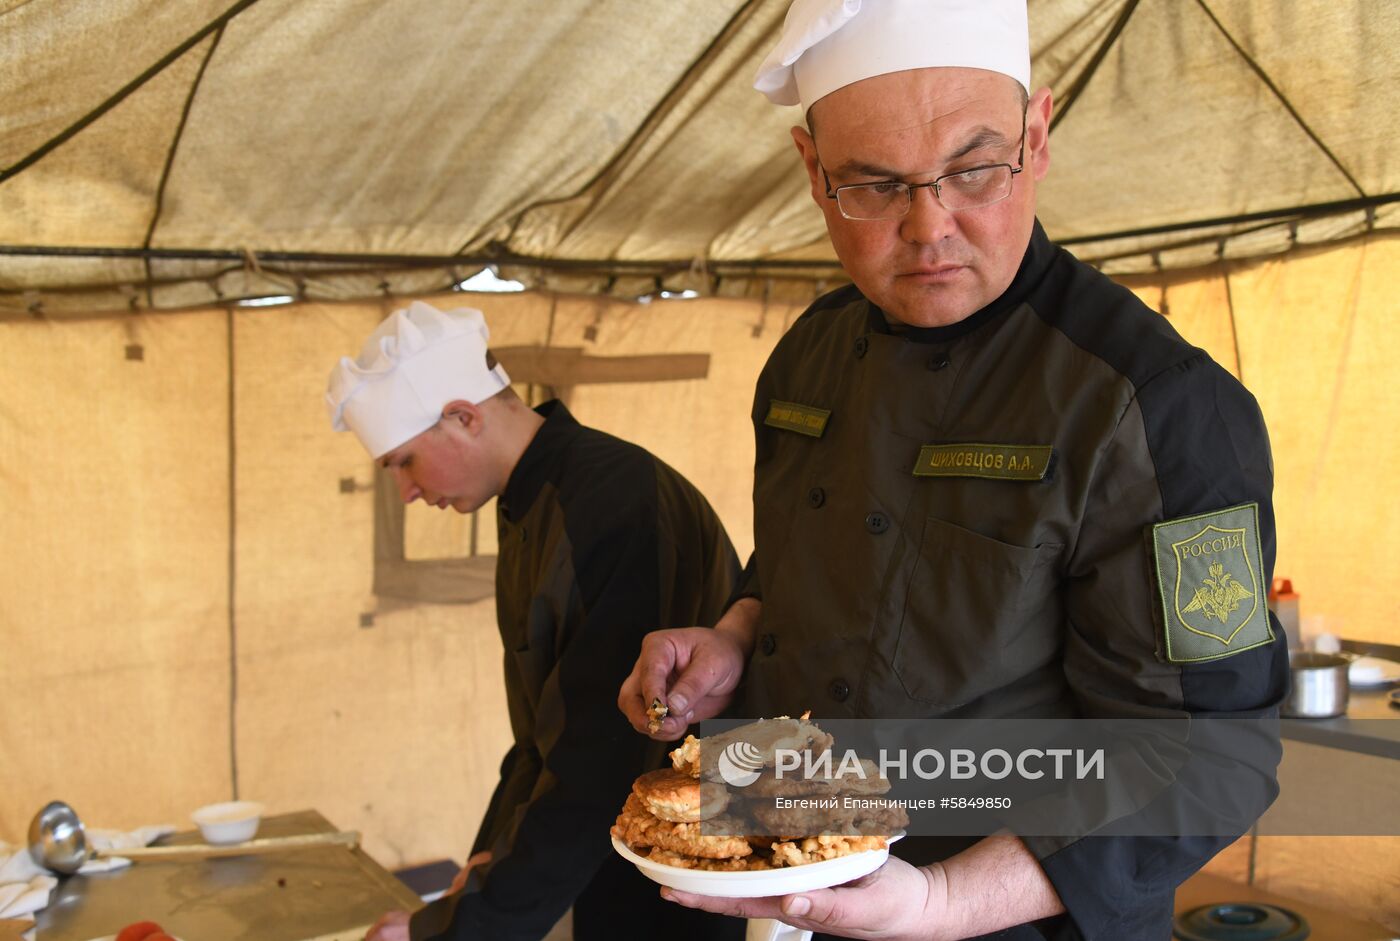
(1210, 574)
(803, 419)
(992, 461)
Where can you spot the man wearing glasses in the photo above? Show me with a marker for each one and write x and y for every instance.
(980, 471)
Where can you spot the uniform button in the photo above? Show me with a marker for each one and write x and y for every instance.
(839, 690)
(877, 523)
(768, 643)
(941, 361)
(816, 497)
(862, 344)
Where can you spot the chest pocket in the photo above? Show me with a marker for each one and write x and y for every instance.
(978, 614)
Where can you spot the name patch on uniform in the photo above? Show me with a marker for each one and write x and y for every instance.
(1210, 576)
(993, 461)
(803, 419)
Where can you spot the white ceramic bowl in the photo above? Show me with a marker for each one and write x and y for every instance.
(229, 822)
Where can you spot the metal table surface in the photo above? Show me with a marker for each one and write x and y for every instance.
(323, 893)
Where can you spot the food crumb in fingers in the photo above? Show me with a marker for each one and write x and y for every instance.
(656, 712)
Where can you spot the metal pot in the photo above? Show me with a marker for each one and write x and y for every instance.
(1319, 689)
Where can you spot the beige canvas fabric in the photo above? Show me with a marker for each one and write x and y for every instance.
(183, 580)
(114, 573)
(127, 661)
(606, 145)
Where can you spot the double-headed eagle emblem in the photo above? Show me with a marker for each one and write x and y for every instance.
(1219, 594)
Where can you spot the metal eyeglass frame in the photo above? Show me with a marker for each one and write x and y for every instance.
(937, 190)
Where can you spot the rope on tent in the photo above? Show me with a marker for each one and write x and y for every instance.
(1162, 305)
(1334, 408)
(232, 556)
(1283, 99)
(170, 157)
(614, 167)
(135, 350)
(1234, 326)
(763, 310)
(1082, 82)
(122, 93)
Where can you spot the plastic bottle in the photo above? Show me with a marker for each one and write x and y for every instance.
(1283, 601)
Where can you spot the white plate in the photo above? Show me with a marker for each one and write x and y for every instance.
(761, 883)
(1372, 672)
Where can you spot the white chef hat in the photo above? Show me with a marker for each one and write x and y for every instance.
(828, 44)
(414, 363)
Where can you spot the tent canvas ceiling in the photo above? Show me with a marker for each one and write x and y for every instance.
(166, 155)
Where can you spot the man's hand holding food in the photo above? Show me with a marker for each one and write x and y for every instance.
(992, 885)
(691, 671)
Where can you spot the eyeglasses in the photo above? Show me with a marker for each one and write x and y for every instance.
(967, 189)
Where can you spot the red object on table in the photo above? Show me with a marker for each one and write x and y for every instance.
(142, 931)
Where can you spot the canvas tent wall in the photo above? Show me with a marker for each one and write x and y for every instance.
(186, 589)
(187, 596)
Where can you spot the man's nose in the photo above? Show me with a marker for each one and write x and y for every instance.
(408, 490)
(927, 221)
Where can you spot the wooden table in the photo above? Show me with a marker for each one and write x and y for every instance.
(326, 893)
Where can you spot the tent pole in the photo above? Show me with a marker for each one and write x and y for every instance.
(232, 563)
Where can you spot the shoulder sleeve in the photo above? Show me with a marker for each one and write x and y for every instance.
(1191, 442)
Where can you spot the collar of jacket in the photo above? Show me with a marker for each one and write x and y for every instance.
(1039, 253)
(540, 459)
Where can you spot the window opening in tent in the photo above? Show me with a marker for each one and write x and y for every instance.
(269, 300)
(487, 280)
(667, 295)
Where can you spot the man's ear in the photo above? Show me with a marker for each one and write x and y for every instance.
(1038, 113)
(464, 413)
(807, 150)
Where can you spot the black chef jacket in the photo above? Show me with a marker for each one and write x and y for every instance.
(600, 543)
(956, 522)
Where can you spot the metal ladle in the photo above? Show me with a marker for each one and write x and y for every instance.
(58, 841)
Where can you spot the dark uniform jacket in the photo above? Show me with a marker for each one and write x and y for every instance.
(1003, 581)
(600, 543)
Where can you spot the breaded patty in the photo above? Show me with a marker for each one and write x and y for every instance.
(795, 784)
(676, 796)
(637, 827)
(763, 739)
(816, 849)
(685, 758)
(733, 864)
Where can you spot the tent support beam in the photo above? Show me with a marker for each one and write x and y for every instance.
(584, 266)
(1080, 83)
(1337, 207)
(1282, 98)
(622, 158)
(121, 94)
(660, 267)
